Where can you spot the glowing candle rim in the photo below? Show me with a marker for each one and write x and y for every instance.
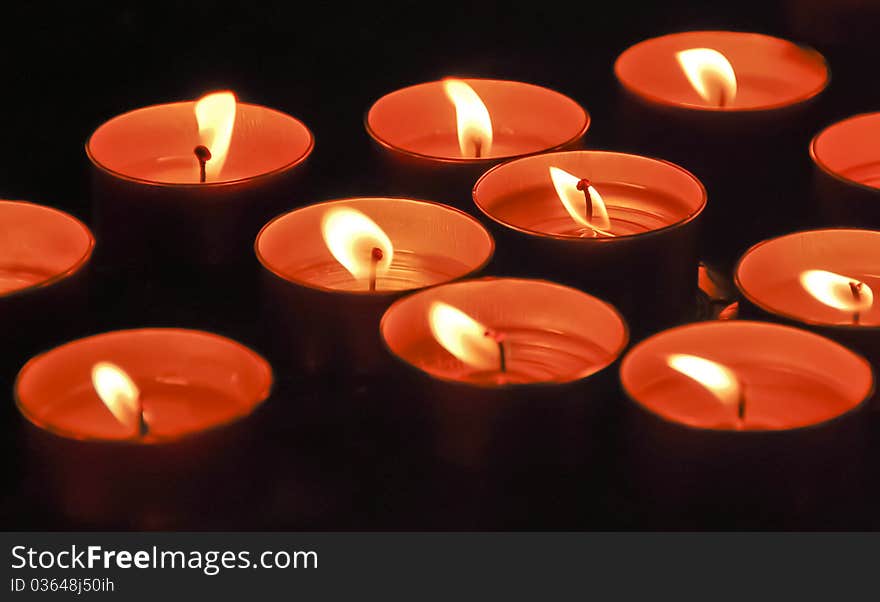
(612, 311)
(573, 238)
(815, 155)
(74, 268)
(753, 299)
(202, 185)
(632, 88)
(352, 202)
(259, 397)
(377, 137)
(633, 398)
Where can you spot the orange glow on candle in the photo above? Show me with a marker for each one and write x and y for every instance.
(569, 188)
(472, 119)
(717, 378)
(710, 73)
(358, 243)
(119, 393)
(464, 337)
(838, 291)
(215, 114)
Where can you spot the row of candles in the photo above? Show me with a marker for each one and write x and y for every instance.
(362, 281)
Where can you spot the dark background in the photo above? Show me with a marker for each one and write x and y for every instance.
(67, 70)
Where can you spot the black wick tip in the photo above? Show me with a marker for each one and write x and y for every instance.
(377, 254)
(583, 184)
(203, 153)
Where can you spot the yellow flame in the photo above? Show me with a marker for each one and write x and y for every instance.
(215, 114)
(472, 119)
(838, 291)
(351, 237)
(575, 202)
(710, 73)
(463, 337)
(118, 392)
(717, 378)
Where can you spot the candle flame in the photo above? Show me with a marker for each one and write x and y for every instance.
(215, 114)
(575, 201)
(710, 73)
(352, 237)
(717, 378)
(838, 291)
(472, 119)
(463, 337)
(119, 393)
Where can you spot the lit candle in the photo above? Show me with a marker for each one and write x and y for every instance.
(132, 426)
(436, 138)
(734, 108)
(190, 183)
(331, 269)
(44, 256)
(504, 367)
(847, 171)
(725, 412)
(823, 280)
(617, 225)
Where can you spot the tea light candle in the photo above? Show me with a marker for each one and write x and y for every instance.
(505, 367)
(847, 171)
(639, 250)
(44, 256)
(331, 269)
(733, 108)
(436, 138)
(128, 425)
(823, 280)
(152, 203)
(744, 405)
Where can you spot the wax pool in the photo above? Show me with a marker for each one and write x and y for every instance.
(12, 278)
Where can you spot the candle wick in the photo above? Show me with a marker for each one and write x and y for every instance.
(203, 154)
(741, 407)
(376, 256)
(722, 99)
(502, 351)
(584, 185)
(478, 148)
(856, 290)
(143, 429)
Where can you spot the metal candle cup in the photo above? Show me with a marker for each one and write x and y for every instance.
(195, 390)
(415, 130)
(846, 181)
(544, 409)
(152, 210)
(648, 269)
(748, 152)
(44, 258)
(323, 319)
(769, 277)
(789, 446)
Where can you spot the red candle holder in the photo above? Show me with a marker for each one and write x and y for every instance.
(416, 133)
(196, 390)
(745, 145)
(151, 208)
(644, 261)
(803, 279)
(325, 320)
(44, 258)
(537, 405)
(846, 181)
(765, 424)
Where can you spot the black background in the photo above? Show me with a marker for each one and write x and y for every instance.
(66, 70)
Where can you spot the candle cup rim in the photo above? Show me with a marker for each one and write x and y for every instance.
(262, 396)
(787, 315)
(825, 168)
(75, 268)
(378, 294)
(753, 433)
(705, 109)
(616, 354)
(604, 239)
(374, 135)
(201, 185)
